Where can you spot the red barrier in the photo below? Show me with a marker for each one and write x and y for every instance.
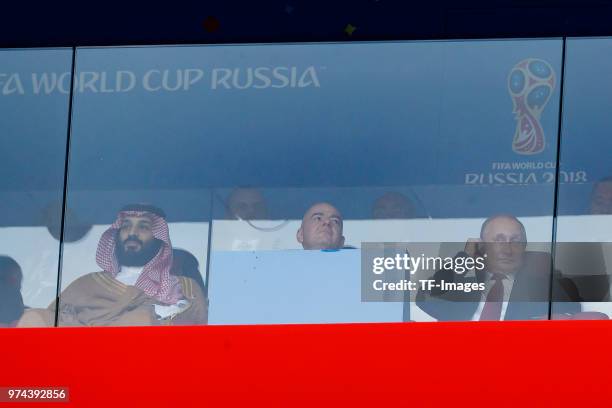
(544, 363)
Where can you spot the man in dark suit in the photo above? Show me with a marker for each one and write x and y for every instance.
(517, 282)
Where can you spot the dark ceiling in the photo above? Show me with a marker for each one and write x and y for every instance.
(29, 24)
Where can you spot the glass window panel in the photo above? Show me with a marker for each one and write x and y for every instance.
(405, 142)
(584, 223)
(34, 99)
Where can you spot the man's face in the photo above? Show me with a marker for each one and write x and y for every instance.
(601, 201)
(392, 206)
(136, 245)
(321, 228)
(247, 204)
(504, 245)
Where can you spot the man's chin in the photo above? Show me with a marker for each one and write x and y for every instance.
(133, 260)
(508, 268)
(327, 245)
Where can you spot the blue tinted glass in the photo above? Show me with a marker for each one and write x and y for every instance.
(34, 99)
(584, 223)
(407, 142)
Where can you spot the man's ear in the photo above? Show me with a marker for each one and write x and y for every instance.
(300, 235)
(342, 241)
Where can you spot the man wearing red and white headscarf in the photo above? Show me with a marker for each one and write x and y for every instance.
(135, 287)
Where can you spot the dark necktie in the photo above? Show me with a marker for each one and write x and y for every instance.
(493, 304)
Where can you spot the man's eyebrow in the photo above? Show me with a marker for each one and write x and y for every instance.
(314, 214)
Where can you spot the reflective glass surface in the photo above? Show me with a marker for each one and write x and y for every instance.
(274, 164)
(584, 223)
(34, 105)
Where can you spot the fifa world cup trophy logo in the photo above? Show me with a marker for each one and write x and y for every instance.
(530, 83)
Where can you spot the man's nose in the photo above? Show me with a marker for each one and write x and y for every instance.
(132, 232)
(506, 248)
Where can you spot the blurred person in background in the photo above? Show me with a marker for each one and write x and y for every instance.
(601, 197)
(393, 205)
(246, 203)
(11, 302)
